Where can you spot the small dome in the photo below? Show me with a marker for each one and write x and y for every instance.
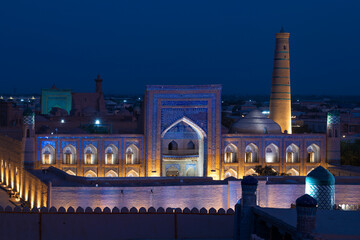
(320, 176)
(28, 112)
(306, 201)
(255, 123)
(249, 180)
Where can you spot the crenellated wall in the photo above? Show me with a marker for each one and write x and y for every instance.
(116, 223)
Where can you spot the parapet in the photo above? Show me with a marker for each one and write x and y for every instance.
(116, 210)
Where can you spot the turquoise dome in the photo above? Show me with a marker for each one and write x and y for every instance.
(320, 176)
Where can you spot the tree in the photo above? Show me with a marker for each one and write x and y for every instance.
(265, 171)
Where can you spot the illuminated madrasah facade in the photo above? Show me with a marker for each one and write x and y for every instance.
(183, 137)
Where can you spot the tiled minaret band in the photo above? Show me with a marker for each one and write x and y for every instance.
(280, 99)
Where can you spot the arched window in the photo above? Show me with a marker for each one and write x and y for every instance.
(336, 133)
(27, 133)
(69, 154)
(111, 155)
(230, 153)
(292, 154)
(48, 155)
(271, 153)
(90, 154)
(132, 155)
(190, 145)
(173, 145)
(313, 153)
(251, 153)
(329, 133)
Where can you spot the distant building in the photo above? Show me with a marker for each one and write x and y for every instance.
(76, 104)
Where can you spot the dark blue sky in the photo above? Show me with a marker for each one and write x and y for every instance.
(133, 43)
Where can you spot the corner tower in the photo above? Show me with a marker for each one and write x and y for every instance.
(280, 98)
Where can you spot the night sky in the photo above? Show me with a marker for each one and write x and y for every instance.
(134, 43)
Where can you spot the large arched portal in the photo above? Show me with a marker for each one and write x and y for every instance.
(183, 147)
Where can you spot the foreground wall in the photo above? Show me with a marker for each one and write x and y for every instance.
(124, 224)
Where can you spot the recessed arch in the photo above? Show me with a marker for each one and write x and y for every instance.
(292, 153)
(251, 172)
(70, 172)
(293, 172)
(190, 140)
(193, 125)
(230, 173)
(272, 153)
(132, 155)
(313, 153)
(190, 145)
(172, 172)
(69, 154)
(90, 154)
(48, 154)
(251, 153)
(111, 173)
(230, 153)
(190, 172)
(132, 173)
(111, 154)
(173, 145)
(90, 173)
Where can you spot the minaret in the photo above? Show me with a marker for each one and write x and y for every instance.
(28, 139)
(98, 81)
(280, 98)
(333, 137)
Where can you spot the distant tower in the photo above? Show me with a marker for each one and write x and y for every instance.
(280, 99)
(28, 139)
(98, 81)
(333, 137)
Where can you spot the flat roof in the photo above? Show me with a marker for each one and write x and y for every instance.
(330, 224)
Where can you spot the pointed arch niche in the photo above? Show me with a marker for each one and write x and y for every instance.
(292, 153)
(48, 154)
(230, 153)
(183, 143)
(132, 155)
(111, 154)
(90, 154)
(251, 153)
(111, 173)
(69, 154)
(271, 153)
(90, 173)
(230, 173)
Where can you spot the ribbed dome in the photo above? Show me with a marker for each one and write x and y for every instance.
(256, 123)
(320, 176)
